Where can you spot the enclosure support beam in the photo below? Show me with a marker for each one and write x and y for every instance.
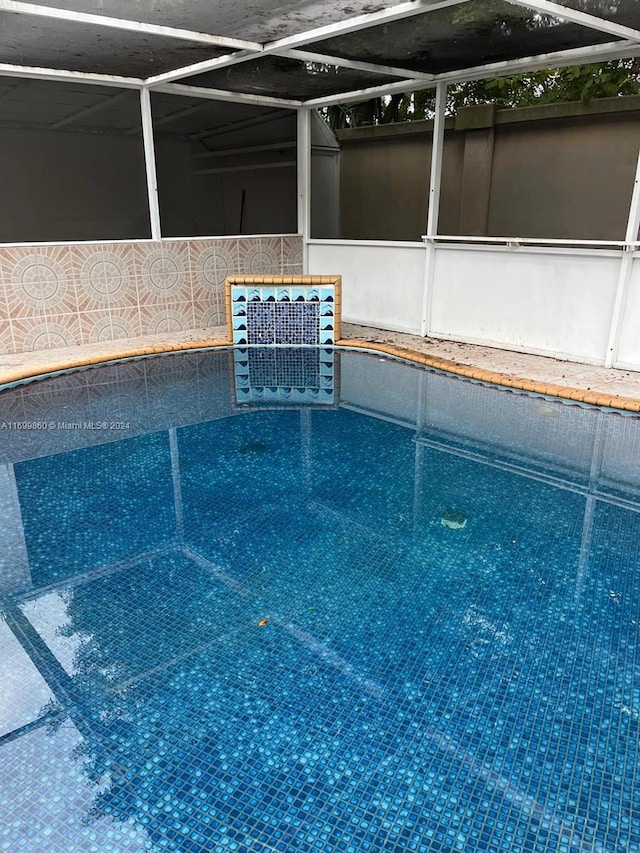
(395, 13)
(304, 182)
(57, 75)
(369, 67)
(435, 178)
(150, 163)
(222, 95)
(624, 276)
(71, 17)
(435, 181)
(202, 67)
(556, 59)
(360, 22)
(575, 16)
(401, 87)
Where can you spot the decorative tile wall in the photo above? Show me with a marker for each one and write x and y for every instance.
(283, 329)
(297, 310)
(53, 296)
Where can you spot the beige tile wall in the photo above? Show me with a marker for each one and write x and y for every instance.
(53, 296)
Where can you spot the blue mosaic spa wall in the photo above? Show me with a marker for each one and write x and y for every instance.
(296, 315)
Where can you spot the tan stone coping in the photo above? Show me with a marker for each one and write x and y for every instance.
(13, 375)
(549, 389)
(71, 361)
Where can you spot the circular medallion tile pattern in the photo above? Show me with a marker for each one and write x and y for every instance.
(60, 414)
(294, 259)
(210, 317)
(261, 260)
(41, 280)
(214, 264)
(164, 272)
(37, 338)
(105, 277)
(62, 335)
(168, 321)
(119, 407)
(122, 328)
(100, 330)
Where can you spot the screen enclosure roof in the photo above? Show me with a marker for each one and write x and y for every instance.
(293, 53)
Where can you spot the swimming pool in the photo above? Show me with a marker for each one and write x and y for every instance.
(360, 607)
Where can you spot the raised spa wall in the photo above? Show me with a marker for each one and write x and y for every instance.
(71, 294)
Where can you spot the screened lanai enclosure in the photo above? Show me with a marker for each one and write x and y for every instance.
(270, 599)
(173, 143)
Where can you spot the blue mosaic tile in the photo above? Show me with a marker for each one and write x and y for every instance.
(292, 316)
(415, 686)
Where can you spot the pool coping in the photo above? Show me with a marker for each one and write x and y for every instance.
(11, 376)
(494, 377)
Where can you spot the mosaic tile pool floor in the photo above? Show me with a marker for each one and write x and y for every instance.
(449, 660)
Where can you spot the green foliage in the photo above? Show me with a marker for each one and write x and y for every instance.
(572, 83)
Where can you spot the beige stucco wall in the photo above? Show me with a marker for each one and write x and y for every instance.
(563, 171)
(384, 186)
(569, 178)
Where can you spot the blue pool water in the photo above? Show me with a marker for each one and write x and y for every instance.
(450, 576)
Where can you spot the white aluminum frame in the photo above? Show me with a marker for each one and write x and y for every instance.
(203, 66)
(150, 163)
(110, 100)
(248, 50)
(57, 75)
(624, 277)
(361, 22)
(290, 47)
(368, 67)
(295, 47)
(592, 53)
(557, 59)
(435, 182)
(225, 95)
(125, 24)
(285, 45)
(303, 139)
(514, 242)
(574, 16)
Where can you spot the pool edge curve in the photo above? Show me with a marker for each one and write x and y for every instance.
(10, 377)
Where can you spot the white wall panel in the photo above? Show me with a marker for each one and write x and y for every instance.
(555, 301)
(381, 282)
(558, 303)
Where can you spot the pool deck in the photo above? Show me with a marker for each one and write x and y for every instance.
(586, 383)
